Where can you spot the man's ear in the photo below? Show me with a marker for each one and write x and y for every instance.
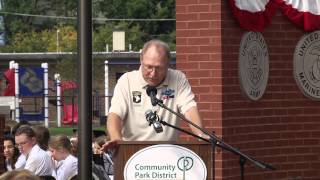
(34, 140)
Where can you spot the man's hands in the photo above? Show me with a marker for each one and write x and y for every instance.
(109, 145)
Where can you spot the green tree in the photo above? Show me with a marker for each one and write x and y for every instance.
(17, 24)
(43, 41)
(39, 34)
(141, 9)
(112, 9)
(27, 42)
(64, 7)
(67, 37)
(102, 36)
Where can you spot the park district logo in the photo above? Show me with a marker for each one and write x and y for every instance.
(253, 65)
(165, 162)
(307, 65)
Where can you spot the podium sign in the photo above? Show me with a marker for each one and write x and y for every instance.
(167, 162)
(127, 155)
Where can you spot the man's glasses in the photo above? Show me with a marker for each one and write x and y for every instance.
(21, 144)
(149, 69)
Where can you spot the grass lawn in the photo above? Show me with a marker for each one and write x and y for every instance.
(62, 130)
(69, 130)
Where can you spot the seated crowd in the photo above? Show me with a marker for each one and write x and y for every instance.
(30, 151)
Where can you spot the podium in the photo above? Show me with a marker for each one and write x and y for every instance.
(127, 148)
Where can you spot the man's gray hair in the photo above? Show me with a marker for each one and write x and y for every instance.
(158, 44)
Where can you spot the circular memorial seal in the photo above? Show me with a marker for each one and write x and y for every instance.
(253, 65)
(306, 65)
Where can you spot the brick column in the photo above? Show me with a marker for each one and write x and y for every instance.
(198, 39)
(282, 128)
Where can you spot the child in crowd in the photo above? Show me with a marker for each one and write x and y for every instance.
(37, 161)
(106, 159)
(74, 143)
(21, 161)
(11, 153)
(67, 166)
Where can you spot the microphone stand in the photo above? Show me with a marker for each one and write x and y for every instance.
(182, 130)
(214, 140)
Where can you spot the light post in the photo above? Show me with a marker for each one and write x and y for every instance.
(58, 31)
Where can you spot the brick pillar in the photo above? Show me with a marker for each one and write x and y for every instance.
(282, 128)
(198, 46)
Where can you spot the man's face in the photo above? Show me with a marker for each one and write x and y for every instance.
(154, 66)
(24, 143)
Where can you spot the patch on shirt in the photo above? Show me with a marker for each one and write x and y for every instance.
(167, 93)
(136, 97)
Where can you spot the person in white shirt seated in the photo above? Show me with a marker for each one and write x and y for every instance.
(37, 160)
(21, 162)
(106, 159)
(10, 152)
(67, 166)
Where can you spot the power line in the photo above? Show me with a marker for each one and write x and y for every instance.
(74, 18)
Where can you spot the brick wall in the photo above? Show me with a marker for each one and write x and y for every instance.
(282, 128)
(198, 40)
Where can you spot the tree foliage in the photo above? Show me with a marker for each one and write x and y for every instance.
(42, 34)
(137, 32)
(17, 24)
(141, 9)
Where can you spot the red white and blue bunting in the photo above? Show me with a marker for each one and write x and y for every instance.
(303, 13)
(255, 15)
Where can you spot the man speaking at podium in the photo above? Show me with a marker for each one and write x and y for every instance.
(131, 103)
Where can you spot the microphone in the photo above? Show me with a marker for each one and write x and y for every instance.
(154, 119)
(152, 93)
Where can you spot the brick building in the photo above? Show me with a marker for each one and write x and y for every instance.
(282, 128)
